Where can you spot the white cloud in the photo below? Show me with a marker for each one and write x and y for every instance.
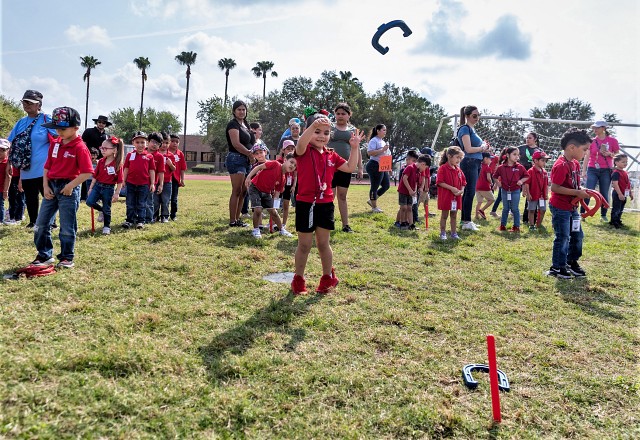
(91, 35)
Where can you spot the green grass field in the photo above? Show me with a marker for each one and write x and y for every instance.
(171, 332)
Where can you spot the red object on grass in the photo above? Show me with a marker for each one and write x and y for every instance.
(426, 216)
(493, 378)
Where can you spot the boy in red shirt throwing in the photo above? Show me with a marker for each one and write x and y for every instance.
(314, 199)
(565, 217)
(68, 165)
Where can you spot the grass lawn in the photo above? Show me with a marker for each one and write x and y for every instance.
(171, 332)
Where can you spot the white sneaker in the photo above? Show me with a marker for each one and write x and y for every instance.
(376, 210)
(106, 230)
(285, 233)
(101, 217)
(470, 226)
(10, 222)
(256, 233)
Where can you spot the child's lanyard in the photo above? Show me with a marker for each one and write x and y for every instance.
(541, 183)
(572, 172)
(322, 185)
(513, 174)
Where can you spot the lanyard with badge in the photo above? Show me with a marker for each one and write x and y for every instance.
(322, 185)
(599, 153)
(575, 184)
(457, 181)
(541, 200)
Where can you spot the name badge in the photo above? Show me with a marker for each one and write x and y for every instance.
(111, 170)
(575, 225)
(276, 203)
(176, 157)
(289, 180)
(311, 214)
(454, 205)
(508, 196)
(541, 203)
(626, 193)
(133, 156)
(56, 147)
(415, 199)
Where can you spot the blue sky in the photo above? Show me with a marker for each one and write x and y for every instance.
(499, 55)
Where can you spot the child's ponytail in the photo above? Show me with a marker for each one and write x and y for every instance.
(449, 152)
(119, 156)
(504, 154)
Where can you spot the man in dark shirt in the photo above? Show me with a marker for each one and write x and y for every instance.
(94, 137)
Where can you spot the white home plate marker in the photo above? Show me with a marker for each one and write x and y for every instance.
(280, 277)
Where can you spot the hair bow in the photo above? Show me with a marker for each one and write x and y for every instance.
(114, 140)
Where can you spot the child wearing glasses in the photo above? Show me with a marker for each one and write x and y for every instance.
(107, 180)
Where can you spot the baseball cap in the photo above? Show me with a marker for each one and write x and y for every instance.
(139, 134)
(598, 124)
(4, 144)
(32, 96)
(485, 154)
(257, 148)
(63, 117)
(539, 154)
(294, 121)
(288, 143)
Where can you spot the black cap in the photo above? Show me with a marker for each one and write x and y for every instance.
(32, 96)
(63, 117)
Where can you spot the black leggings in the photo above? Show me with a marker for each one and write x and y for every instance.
(32, 190)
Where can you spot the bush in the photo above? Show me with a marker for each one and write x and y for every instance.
(204, 168)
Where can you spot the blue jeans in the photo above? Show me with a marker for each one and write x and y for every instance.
(101, 193)
(471, 170)
(175, 186)
(161, 202)
(148, 213)
(617, 206)
(136, 202)
(602, 177)
(16, 200)
(379, 180)
(68, 207)
(497, 202)
(512, 205)
(567, 246)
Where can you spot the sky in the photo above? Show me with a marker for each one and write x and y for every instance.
(496, 54)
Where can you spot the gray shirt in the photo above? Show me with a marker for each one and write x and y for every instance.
(339, 141)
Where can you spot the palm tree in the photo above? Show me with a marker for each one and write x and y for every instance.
(88, 62)
(226, 64)
(143, 64)
(261, 69)
(348, 76)
(186, 59)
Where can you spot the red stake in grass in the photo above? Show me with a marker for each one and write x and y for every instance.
(93, 222)
(426, 216)
(493, 378)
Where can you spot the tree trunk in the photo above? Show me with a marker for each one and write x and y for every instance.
(186, 101)
(226, 83)
(86, 104)
(141, 103)
(264, 86)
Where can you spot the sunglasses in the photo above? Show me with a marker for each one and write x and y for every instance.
(475, 115)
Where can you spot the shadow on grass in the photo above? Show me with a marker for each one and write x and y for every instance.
(277, 316)
(578, 291)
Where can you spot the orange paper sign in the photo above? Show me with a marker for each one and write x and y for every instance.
(384, 164)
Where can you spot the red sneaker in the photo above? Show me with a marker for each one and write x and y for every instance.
(328, 282)
(298, 285)
(502, 228)
(514, 229)
(482, 214)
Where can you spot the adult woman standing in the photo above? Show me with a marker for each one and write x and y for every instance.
(29, 149)
(340, 135)
(379, 180)
(240, 140)
(598, 162)
(473, 148)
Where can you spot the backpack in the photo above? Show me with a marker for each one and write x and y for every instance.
(454, 142)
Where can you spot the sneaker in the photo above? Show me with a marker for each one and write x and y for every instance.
(514, 229)
(432, 214)
(397, 224)
(482, 214)
(574, 269)
(54, 226)
(9, 222)
(604, 219)
(65, 264)
(404, 226)
(327, 283)
(412, 227)
(30, 226)
(246, 215)
(347, 229)
(39, 261)
(164, 220)
(139, 225)
(502, 228)
(443, 236)
(376, 210)
(470, 226)
(298, 285)
(126, 225)
(256, 233)
(276, 228)
(532, 227)
(494, 214)
(559, 272)
(101, 216)
(241, 224)
(455, 236)
(285, 233)
(106, 230)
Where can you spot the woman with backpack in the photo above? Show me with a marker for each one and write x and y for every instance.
(473, 147)
(29, 149)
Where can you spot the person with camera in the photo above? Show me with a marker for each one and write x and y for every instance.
(598, 162)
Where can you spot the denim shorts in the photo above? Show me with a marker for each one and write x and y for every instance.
(237, 163)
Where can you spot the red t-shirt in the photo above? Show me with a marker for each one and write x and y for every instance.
(484, 182)
(271, 178)
(622, 178)
(107, 173)
(67, 161)
(567, 174)
(316, 170)
(538, 183)
(452, 176)
(3, 172)
(412, 173)
(158, 158)
(509, 175)
(15, 172)
(168, 174)
(139, 166)
(179, 162)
